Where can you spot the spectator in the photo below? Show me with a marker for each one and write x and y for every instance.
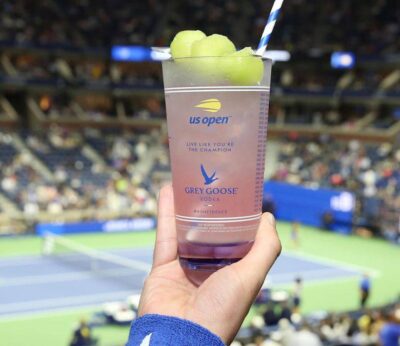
(83, 336)
(304, 337)
(390, 332)
(270, 316)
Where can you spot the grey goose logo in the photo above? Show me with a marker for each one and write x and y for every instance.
(208, 179)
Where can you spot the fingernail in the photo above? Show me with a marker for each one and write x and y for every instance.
(271, 219)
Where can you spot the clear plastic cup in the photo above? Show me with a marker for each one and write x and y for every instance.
(217, 138)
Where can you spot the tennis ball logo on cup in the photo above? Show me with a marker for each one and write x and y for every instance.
(210, 105)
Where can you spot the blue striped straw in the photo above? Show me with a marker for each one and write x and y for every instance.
(269, 27)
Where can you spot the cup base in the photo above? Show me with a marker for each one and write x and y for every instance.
(198, 270)
(200, 260)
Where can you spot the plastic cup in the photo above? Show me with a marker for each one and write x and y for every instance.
(217, 138)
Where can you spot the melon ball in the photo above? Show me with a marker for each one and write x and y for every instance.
(181, 45)
(213, 45)
(242, 67)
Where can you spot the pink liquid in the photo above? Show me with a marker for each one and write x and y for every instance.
(200, 260)
(217, 160)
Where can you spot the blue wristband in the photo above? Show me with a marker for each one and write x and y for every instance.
(159, 330)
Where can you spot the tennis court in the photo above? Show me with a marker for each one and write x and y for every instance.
(43, 283)
(44, 296)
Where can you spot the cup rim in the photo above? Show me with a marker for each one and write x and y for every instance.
(216, 57)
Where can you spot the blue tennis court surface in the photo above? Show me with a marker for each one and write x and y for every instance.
(33, 284)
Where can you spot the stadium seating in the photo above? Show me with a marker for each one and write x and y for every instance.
(93, 113)
(123, 22)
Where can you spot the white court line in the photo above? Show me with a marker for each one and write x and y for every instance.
(335, 263)
(22, 260)
(43, 313)
(316, 272)
(324, 282)
(135, 264)
(60, 302)
(73, 276)
(19, 261)
(52, 312)
(311, 282)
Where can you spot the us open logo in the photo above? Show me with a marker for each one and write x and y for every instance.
(212, 106)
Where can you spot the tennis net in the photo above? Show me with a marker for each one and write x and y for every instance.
(86, 260)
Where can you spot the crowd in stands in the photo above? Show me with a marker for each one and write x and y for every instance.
(369, 27)
(109, 179)
(12, 165)
(279, 324)
(356, 329)
(96, 107)
(47, 69)
(370, 171)
(345, 117)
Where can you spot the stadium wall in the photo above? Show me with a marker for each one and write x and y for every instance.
(325, 208)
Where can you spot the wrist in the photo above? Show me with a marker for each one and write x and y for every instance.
(167, 330)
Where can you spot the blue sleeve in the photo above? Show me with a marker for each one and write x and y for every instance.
(158, 330)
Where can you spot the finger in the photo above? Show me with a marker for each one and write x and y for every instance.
(166, 246)
(253, 268)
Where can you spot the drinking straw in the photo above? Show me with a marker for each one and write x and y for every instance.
(269, 27)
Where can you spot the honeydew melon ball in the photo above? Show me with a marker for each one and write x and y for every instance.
(243, 68)
(206, 55)
(181, 45)
(213, 45)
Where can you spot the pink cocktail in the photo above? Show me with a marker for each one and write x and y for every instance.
(217, 137)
